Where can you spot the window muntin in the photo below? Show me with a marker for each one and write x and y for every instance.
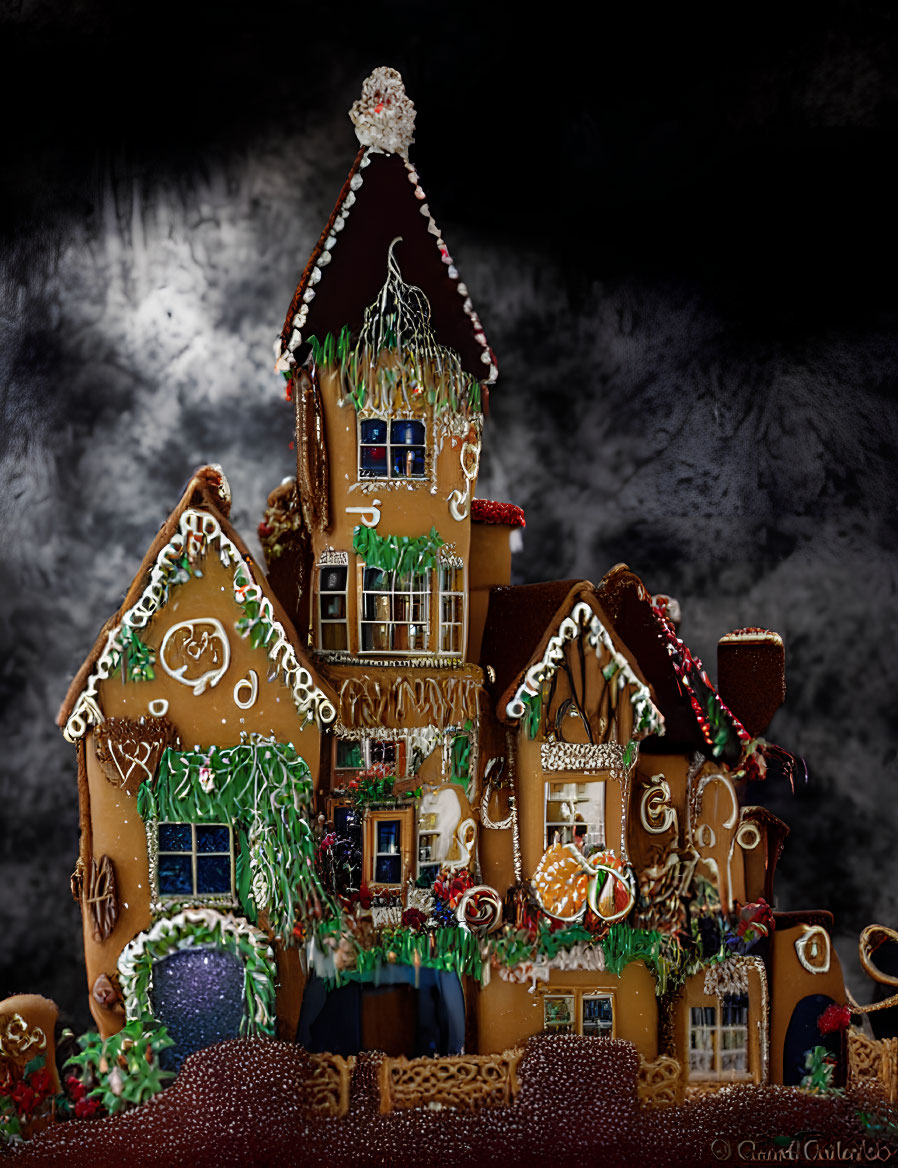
(452, 608)
(333, 634)
(194, 860)
(575, 814)
(395, 612)
(392, 449)
(718, 1039)
(583, 1012)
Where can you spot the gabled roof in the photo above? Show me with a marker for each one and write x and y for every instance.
(207, 496)
(381, 200)
(524, 620)
(693, 710)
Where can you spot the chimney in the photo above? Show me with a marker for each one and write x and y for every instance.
(751, 676)
(493, 527)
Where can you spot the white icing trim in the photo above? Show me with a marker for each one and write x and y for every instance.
(311, 702)
(583, 619)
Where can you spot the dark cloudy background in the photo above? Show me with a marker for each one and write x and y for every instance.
(678, 226)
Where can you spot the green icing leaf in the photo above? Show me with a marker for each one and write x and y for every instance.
(397, 553)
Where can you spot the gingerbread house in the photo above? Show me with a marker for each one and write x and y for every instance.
(382, 798)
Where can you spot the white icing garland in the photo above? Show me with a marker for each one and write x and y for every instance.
(583, 757)
(310, 701)
(583, 619)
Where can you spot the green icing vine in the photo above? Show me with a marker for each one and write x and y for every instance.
(381, 386)
(133, 657)
(533, 704)
(397, 553)
(263, 788)
(451, 949)
(460, 756)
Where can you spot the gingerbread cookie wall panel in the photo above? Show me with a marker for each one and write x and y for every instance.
(806, 977)
(208, 680)
(575, 1001)
(119, 833)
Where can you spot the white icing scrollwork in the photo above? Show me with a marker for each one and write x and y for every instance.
(812, 949)
(369, 515)
(249, 687)
(655, 811)
(196, 653)
(158, 707)
(480, 909)
(748, 836)
(460, 501)
(705, 836)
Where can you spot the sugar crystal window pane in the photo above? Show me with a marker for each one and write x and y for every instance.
(374, 430)
(558, 1013)
(213, 874)
(333, 579)
(213, 838)
(175, 837)
(387, 869)
(175, 875)
(408, 462)
(374, 460)
(333, 607)
(407, 433)
(598, 1016)
(349, 754)
(388, 836)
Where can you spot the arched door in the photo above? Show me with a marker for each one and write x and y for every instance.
(803, 1035)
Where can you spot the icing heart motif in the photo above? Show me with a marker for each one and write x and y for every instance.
(129, 751)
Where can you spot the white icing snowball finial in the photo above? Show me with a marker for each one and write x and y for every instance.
(384, 116)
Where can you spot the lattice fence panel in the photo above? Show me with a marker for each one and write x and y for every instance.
(326, 1091)
(660, 1083)
(468, 1082)
(873, 1062)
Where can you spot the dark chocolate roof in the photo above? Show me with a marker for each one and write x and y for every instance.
(519, 621)
(385, 205)
(629, 605)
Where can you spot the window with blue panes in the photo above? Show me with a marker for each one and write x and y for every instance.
(392, 449)
(195, 859)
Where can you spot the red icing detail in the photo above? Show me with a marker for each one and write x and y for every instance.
(486, 511)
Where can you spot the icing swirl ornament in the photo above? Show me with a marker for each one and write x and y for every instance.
(480, 909)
